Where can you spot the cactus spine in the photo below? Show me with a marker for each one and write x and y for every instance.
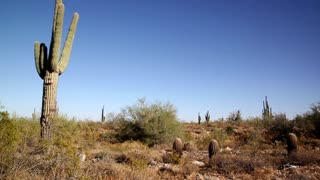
(103, 117)
(267, 110)
(50, 67)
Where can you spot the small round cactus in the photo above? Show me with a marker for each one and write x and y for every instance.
(213, 148)
(178, 146)
(292, 142)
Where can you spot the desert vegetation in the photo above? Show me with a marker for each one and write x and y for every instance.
(147, 141)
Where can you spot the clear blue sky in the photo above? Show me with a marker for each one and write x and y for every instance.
(216, 55)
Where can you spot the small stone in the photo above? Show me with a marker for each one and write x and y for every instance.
(95, 160)
(198, 163)
(152, 163)
(227, 149)
(82, 157)
(199, 177)
(165, 167)
(292, 169)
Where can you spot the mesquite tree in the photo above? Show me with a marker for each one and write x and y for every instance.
(50, 67)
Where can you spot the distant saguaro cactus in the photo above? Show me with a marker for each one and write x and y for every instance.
(292, 144)
(207, 117)
(199, 118)
(178, 146)
(103, 117)
(34, 115)
(213, 148)
(267, 110)
(50, 67)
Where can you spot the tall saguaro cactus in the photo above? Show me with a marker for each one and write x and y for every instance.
(50, 67)
(207, 117)
(103, 117)
(267, 110)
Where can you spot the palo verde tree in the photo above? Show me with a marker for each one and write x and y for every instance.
(50, 67)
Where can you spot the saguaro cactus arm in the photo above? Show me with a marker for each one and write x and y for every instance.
(37, 57)
(64, 60)
(56, 38)
(41, 58)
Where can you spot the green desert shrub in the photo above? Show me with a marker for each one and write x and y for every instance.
(314, 117)
(308, 124)
(152, 124)
(218, 134)
(235, 116)
(61, 155)
(280, 127)
(9, 140)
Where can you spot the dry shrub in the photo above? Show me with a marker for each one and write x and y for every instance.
(154, 123)
(303, 157)
(9, 140)
(101, 170)
(135, 154)
(110, 171)
(228, 165)
(189, 147)
(171, 157)
(216, 133)
(89, 133)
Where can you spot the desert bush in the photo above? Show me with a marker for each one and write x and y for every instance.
(228, 165)
(253, 138)
(89, 133)
(216, 133)
(171, 157)
(257, 122)
(149, 123)
(29, 131)
(314, 118)
(131, 153)
(308, 124)
(235, 116)
(58, 159)
(9, 140)
(303, 157)
(280, 127)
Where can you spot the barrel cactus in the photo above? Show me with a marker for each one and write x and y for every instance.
(213, 148)
(292, 144)
(178, 146)
(49, 67)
